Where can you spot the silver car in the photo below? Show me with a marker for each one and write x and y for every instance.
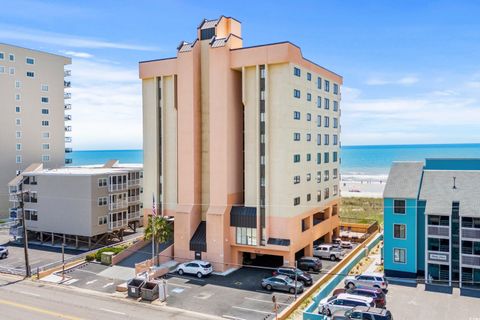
(282, 283)
(343, 302)
(3, 252)
(375, 280)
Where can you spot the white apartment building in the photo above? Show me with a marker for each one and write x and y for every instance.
(34, 104)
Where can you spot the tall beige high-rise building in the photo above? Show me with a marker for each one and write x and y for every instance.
(34, 109)
(241, 146)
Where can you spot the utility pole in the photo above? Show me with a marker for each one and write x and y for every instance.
(63, 260)
(296, 280)
(20, 197)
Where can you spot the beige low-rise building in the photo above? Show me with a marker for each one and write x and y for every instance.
(83, 206)
(241, 147)
(34, 105)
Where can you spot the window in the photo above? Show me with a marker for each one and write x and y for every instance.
(296, 158)
(296, 201)
(309, 196)
(319, 196)
(335, 140)
(2, 55)
(399, 255)
(44, 87)
(399, 231)
(296, 179)
(296, 115)
(327, 104)
(44, 111)
(19, 146)
(335, 156)
(297, 72)
(45, 123)
(319, 176)
(102, 182)
(327, 86)
(17, 84)
(326, 122)
(309, 97)
(44, 99)
(296, 136)
(309, 156)
(30, 74)
(18, 159)
(30, 61)
(441, 245)
(102, 220)
(335, 105)
(45, 135)
(326, 175)
(326, 157)
(102, 201)
(335, 190)
(326, 139)
(2, 69)
(18, 121)
(319, 158)
(335, 88)
(18, 134)
(262, 95)
(17, 109)
(438, 220)
(319, 139)
(326, 193)
(246, 236)
(262, 73)
(309, 137)
(309, 117)
(17, 97)
(399, 206)
(46, 146)
(335, 122)
(262, 116)
(319, 102)
(296, 93)
(12, 70)
(45, 158)
(319, 83)
(309, 176)
(335, 173)
(319, 121)
(11, 57)
(309, 76)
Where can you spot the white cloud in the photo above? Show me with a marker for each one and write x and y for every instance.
(381, 81)
(76, 54)
(65, 40)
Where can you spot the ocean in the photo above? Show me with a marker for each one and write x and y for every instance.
(357, 161)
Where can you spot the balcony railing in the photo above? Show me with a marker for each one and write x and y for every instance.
(68, 139)
(12, 197)
(68, 106)
(133, 183)
(438, 256)
(471, 233)
(68, 150)
(471, 260)
(118, 205)
(442, 231)
(133, 215)
(67, 84)
(67, 95)
(68, 128)
(133, 199)
(117, 187)
(68, 117)
(117, 224)
(67, 73)
(68, 161)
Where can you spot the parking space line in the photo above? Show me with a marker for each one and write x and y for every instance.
(232, 317)
(29, 294)
(108, 284)
(113, 311)
(178, 285)
(92, 281)
(266, 301)
(273, 293)
(253, 310)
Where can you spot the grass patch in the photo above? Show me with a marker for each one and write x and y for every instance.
(362, 210)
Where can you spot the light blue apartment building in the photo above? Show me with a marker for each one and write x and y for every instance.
(432, 221)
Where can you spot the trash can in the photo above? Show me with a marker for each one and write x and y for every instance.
(134, 288)
(150, 291)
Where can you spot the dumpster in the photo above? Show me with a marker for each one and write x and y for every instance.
(150, 291)
(134, 288)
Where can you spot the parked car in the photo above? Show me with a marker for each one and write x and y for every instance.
(328, 251)
(376, 294)
(197, 267)
(343, 244)
(282, 283)
(374, 280)
(368, 313)
(3, 252)
(290, 272)
(310, 264)
(344, 302)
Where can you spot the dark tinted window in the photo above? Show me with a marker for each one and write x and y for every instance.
(207, 33)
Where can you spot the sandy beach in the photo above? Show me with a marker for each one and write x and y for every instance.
(369, 186)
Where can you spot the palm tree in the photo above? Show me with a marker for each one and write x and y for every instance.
(161, 231)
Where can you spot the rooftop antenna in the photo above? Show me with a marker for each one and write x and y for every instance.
(454, 185)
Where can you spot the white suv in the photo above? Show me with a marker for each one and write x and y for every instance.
(375, 280)
(344, 302)
(328, 251)
(197, 267)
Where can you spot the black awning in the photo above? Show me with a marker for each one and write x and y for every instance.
(243, 217)
(279, 242)
(199, 239)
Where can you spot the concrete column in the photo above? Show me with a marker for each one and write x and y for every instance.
(64, 238)
(53, 238)
(76, 242)
(41, 237)
(89, 242)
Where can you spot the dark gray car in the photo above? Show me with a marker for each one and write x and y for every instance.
(282, 283)
(361, 312)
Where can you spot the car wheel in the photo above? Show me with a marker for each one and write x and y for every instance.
(326, 312)
(310, 269)
(333, 258)
(180, 271)
(268, 287)
(376, 286)
(292, 290)
(351, 285)
(199, 275)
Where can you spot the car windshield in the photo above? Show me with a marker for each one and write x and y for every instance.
(288, 280)
(208, 265)
(331, 298)
(299, 272)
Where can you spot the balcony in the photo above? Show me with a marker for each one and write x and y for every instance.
(117, 205)
(67, 95)
(68, 150)
(117, 224)
(471, 233)
(438, 256)
(68, 128)
(439, 231)
(13, 197)
(133, 199)
(117, 187)
(133, 215)
(67, 84)
(67, 73)
(68, 117)
(134, 183)
(68, 139)
(68, 106)
(470, 260)
(68, 161)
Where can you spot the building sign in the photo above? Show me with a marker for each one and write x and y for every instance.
(437, 257)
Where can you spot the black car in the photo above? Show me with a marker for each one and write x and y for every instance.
(368, 313)
(302, 277)
(310, 264)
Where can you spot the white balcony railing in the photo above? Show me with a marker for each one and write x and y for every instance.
(133, 182)
(117, 205)
(117, 224)
(67, 95)
(133, 215)
(67, 73)
(442, 231)
(117, 186)
(133, 199)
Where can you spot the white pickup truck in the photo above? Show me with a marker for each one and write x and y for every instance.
(328, 251)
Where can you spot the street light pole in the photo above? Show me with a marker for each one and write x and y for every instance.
(295, 280)
(25, 234)
(63, 261)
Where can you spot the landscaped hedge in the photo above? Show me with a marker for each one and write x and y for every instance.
(98, 255)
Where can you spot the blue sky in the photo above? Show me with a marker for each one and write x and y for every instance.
(411, 68)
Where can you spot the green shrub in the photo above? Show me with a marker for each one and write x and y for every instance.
(90, 257)
(115, 250)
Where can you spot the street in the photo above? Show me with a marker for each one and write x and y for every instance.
(24, 299)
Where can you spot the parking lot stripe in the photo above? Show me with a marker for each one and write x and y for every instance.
(276, 293)
(113, 311)
(232, 317)
(29, 294)
(177, 285)
(253, 310)
(109, 284)
(266, 301)
(92, 281)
